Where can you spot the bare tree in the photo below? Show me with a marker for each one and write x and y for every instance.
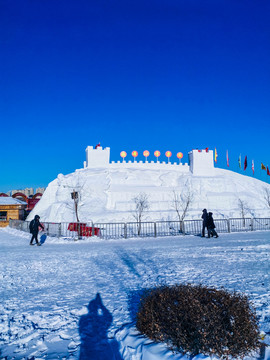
(181, 203)
(141, 205)
(75, 197)
(244, 209)
(266, 191)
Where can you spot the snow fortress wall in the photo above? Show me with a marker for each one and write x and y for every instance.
(201, 162)
(97, 157)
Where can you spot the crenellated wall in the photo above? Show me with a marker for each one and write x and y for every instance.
(200, 162)
(155, 165)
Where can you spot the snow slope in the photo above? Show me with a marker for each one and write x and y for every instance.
(50, 308)
(106, 194)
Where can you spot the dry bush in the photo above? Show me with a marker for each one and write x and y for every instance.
(197, 319)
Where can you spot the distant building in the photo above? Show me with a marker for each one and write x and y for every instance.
(26, 196)
(29, 192)
(40, 190)
(11, 208)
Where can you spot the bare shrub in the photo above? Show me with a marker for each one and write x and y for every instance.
(181, 203)
(141, 205)
(197, 319)
(244, 210)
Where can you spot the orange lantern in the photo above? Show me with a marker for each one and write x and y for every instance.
(134, 154)
(180, 156)
(168, 154)
(146, 153)
(123, 154)
(157, 153)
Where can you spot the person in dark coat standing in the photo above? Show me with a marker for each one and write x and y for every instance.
(204, 217)
(34, 228)
(211, 226)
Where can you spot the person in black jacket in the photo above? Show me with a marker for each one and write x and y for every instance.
(204, 217)
(211, 226)
(34, 228)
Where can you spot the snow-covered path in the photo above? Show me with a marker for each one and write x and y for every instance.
(48, 293)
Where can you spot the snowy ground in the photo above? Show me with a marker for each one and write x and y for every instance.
(50, 308)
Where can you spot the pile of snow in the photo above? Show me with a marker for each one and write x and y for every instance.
(105, 194)
(50, 307)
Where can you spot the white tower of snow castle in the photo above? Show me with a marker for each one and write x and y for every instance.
(97, 157)
(201, 162)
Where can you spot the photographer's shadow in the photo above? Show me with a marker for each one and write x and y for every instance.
(93, 328)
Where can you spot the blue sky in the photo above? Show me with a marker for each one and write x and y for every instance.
(134, 75)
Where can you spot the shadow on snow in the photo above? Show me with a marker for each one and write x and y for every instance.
(93, 328)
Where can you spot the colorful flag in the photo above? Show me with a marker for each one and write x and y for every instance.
(263, 167)
(252, 166)
(268, 172)
(227, 155)
(216, 155)
(239, 161)
(245, 163)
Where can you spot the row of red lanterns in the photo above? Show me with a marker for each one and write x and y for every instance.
(146, 153)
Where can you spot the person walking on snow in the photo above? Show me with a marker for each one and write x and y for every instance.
(211, 226)
(34, 228)
(204, 217)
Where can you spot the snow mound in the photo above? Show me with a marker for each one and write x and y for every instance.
(105, 194)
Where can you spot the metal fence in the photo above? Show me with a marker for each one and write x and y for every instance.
(143, 229)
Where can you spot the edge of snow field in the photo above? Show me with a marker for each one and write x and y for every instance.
(65, 240)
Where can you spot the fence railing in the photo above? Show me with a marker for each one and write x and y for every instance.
(143, 229)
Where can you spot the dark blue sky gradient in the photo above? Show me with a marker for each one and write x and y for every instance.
(133, 75)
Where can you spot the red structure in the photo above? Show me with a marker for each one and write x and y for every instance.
(31, 202)
(83, 230)
(20, 196)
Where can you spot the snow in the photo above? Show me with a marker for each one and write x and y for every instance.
(106, 194)
(7, 200)
(49, 293)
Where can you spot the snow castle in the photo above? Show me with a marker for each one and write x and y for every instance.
(107, 189)
(200, 162)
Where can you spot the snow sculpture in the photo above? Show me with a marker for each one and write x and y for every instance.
(201, 162)
(98, 157)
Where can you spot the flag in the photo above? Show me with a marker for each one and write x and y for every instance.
(227, 155)
(252, 166)
(239, 161)
(263, 167)
(245, 163)
(268, 172)
(216, 155)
